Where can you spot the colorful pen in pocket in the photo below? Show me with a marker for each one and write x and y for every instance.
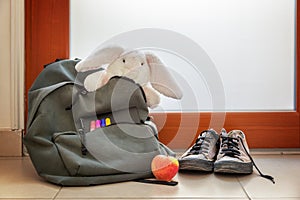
(92, 125)
(107, 121)
(102, 122)
(98, 125)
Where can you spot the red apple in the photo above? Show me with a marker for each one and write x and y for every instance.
(164, 167)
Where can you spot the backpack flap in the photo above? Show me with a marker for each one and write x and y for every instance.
(120, 100)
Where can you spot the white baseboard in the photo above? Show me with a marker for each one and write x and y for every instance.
(11, 142)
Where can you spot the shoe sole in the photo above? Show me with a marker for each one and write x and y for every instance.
(196, 165)
(233, 167)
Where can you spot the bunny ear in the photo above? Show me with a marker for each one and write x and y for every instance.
(99, 57)
(161, 79)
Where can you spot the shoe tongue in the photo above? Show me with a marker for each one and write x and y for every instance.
(208, 133)
(235, 134)
(224, 133)
(204, 134)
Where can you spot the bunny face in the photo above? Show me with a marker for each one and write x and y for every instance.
(132, 65)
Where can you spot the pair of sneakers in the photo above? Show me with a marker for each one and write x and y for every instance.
(221, 153)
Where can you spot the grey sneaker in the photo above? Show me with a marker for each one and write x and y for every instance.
(234, 156)
(202, 154)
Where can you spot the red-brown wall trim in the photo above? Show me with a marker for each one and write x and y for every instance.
(262, 129)
(47, 37)
(297, 94)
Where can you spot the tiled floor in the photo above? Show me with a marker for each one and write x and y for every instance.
(18, 180)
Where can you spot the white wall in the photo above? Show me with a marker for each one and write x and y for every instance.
(250, 43)
(12, 64)
(5, 116)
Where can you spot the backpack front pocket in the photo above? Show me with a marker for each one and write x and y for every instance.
(126, 147)
(115, 149)
(69, 147)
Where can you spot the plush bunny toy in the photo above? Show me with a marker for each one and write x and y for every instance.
(144, 68)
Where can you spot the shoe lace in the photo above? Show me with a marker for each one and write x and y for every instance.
(201, 145)
(230, 148)
(260, 173)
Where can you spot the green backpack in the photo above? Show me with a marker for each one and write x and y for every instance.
(75, 137)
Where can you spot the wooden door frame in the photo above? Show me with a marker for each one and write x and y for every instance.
(47, 36)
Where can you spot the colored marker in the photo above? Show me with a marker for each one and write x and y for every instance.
(107, 121)
(92, 125)
(98, 125)
(102, 122)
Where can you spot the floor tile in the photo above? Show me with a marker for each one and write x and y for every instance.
(191, 185)
(283, 198)
(18, 179)
(285, 170)
(163, 199)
